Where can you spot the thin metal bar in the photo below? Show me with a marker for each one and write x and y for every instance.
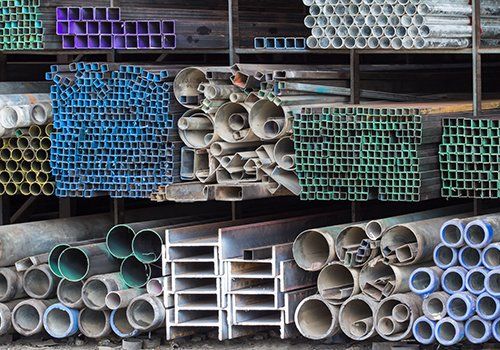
(476, 57)
(234, 30)
(25, 210)
(355, 81)
(118, 206)
(67, 207)
(4, 210)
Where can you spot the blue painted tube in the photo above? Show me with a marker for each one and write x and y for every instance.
(449, 332)
(478, 234)
(488, 307)
(445, 257)
(425, 281)
(120, 325)
(60, 321)
(452, 233)
(496, 329)
(477, 330)
(461, 306)
(491, 283)
(469, 257)
(491, 256)
(424, 330)
(474, 281)
(453, 279)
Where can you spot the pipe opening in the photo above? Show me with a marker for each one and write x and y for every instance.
(4, 286)
(147, 246)
(53, 259)
(27, 318)
(453, 281)
(37, 283)
(120, 322)
(315, 319)
(336, 283)
(73, 264)
(142, 313)
(358, 315)
(119, 241)
(476, 280)
(435, 307)
(487, 305)
(92, 322)
(444, 256)
(58, 321)
(447, 331)
(135, 273)
(476, 329)
(475, 234)
(494, 283)
(113, 300)
(400, 243)
(39, 114)
(386, 326)
(457, 307)
(94, 293)
(9, 117)
(470, 257)
(154, 287)
(377, 281)
(491, 256)
(451, 234)
(425, 330)
(421, 280)
(69, 293)
(311, 250)
(401, 313)
(374, 229)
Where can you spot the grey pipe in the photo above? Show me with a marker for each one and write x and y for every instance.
(96, 288)
(337, 283)
(121, 299)
(11, 284)
(27, 316)
(70, 294)
(6, 316)
(44, 235)
(40, 283)
(348, 244)
(94, 324)
(316, 318)
(146, 313)
(357, 317)
(156, 286)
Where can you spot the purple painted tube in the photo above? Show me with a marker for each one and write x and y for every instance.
(154, 27)
(62, 27)
(78, 28)
(105, 28)
(119, 41)
(113, 14)
(142, 27)
(117, 28)
(87, 14)
(92, 27)
(131, 27)
(74, 14)
(68, 42)
(168, 27)
(81, 42)
(106, 42)
(100, 14)
(61, 14)
(94, 42)
(143, 42)
(169, 41)
(131, 41)
(155, 41)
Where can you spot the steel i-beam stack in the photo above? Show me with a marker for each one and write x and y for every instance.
(20, 25)
(103, 28)
(115, 129)
(358, 153)
(470, 158)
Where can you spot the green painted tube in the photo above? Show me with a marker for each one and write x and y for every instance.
(24, 188)
(11, 189)
(146, 246)
(78, 263)
(35, 189)
(137, 274)
(45, 143)
(53, 258)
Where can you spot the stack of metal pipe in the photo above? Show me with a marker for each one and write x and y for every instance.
(364, 276)
(469, 158)
(461, 291)
(397, 24)
(115, 129)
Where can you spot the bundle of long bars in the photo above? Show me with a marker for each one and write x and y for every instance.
(384, 151)
(103, 28)
(116, 129)
(470, 158)
(398, 24)
(20, 25)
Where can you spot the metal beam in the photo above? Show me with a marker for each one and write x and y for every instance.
(355, 80)
(24, 211)
(476, 56)
(234, 30)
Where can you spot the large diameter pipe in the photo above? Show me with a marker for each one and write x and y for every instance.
(488, 307)
(423, 330)
(15, 117)
(411, 308)
(120, 324)
(452, 233)
(337, 282)
(121, 299)
(449, 332)
(187, 82)
(425, 280)
(11, 284)
(376, 228)
(492, 283)
(315, 248)
(94, 324)
(60, 321)
(445, 257)
(316, 318)
(411, 243)
(348, 244)
(481, 232)
(453, 279)
(23, 99)
(40, 283)
(136, 274)
(27, 316)
(44, 235)
(232, 125)
(474, 280)
(496, 329)
(78, 263)
(6, 316)
(70, 294)
(434, 306)
(96, 288)
(356, 317)
(477, 330)
(461, 306)
(491, 256)
(469, 257)
(146, 313)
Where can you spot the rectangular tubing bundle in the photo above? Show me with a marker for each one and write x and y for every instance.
(103, 28)
(470, 158)
(115, 129)
(398, 24)
(280, 43)
(20, 25)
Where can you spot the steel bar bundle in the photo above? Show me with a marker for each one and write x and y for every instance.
(21, 25)
(384, 151)
(115, 129)
(470, 158)
(103, 28)
(397, 24)
(25, 162)
(461, 291)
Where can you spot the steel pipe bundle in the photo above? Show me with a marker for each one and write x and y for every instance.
(468, 303)
(137, 127)
(25, 156)
(460, 178)
(397, 24)
(21, 26)
(103, 28)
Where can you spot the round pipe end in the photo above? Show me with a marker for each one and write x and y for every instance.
(491, 256)
(452, 233)
(445, 257)
(423, 330)
(424, 281)
(492, 283)
(461, 306)
(120, 325)
(477, 330)
(316, 318)
(449, 332)
(60, 321)
(488, 307)
(478, 234)
(474, 280)
(453, 280)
